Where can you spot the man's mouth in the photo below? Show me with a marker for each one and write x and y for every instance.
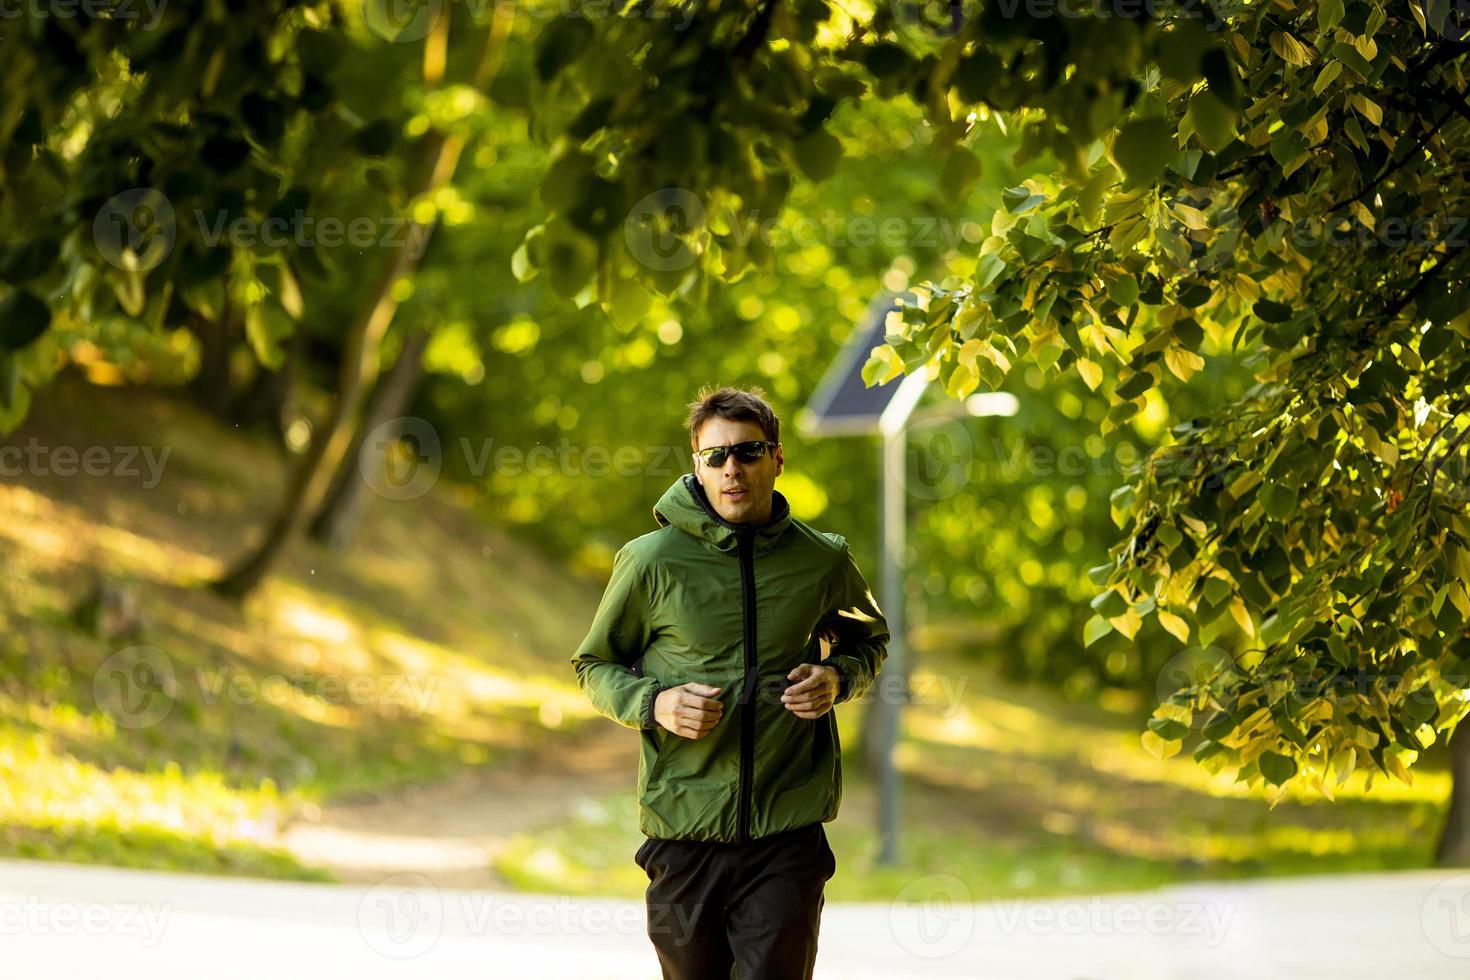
(737, 493)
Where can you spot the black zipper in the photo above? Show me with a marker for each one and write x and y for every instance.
(747, 705)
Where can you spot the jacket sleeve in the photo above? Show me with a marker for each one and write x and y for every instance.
(855, 627)
(620, 632)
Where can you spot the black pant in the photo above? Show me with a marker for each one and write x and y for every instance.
(749, 911)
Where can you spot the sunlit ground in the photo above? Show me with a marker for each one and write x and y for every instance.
(436, 644)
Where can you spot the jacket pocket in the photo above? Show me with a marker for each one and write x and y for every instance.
(676, 759)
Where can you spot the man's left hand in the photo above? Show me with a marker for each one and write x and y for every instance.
(815, 691)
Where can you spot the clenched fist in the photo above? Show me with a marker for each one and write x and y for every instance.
(814, 692)
(689, 710)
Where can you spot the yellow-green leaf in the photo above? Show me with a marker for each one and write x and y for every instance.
(1091, 372)
(1176, 625)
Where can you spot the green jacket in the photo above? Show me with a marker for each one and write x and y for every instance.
(736, 607)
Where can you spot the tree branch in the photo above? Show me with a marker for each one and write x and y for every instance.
(755, 34)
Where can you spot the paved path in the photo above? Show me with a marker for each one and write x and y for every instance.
(63, 920)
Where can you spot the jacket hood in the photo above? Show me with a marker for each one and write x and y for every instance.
(686, 506)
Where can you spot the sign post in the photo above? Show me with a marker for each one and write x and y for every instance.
(844, 405)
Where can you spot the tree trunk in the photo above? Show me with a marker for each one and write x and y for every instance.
(266, 402)
(1454, 839)
(211, 386)
(341, 512)
(365, 331)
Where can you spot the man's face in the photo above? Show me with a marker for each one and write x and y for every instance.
(753, 481)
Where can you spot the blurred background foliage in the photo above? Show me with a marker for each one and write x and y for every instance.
(234, 349)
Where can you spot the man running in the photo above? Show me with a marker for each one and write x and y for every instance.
(710, 641)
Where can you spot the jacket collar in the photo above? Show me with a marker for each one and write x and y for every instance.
(685, 505)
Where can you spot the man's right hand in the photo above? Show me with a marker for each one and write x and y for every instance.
(689, 710)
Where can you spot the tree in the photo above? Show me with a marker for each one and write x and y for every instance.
(439, 158)
(341, 510)
(1279, 180)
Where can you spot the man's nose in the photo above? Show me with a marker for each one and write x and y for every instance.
(732, 465)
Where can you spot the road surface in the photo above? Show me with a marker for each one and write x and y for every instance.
(64, 920)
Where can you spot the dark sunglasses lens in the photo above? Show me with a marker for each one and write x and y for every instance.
(715, 457)
(750, 451)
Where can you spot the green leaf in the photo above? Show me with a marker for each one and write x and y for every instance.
(1135, 385)
(882, 366)
(1123, 290)
(570, 259)
(1168, 729)
(1158, 747)
(266, 326)
(988, 268)
(1279, 501)
(1110, 604)
(27, 260)
(1181, 50)
(561, 187)
(1020, 199)
(1097, 627)
(1420, 705)
(1219, 726)
(1287, 147)
(1277, 768)
(818, 153)
(1217, 590)
(961, 169)
(375, 139)
(630, 302)
(977, 74)
(1188, 332)
(1194, 294)
(1326, 76)
(1142, 149)
(1329, 14)
(560, 44)
(1272, 311)
(1213, 120)
(24, 317)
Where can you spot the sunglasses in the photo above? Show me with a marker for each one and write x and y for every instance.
(746, 452)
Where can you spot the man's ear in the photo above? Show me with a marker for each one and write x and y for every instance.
(780, 460)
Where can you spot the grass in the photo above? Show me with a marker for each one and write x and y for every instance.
(435, 644)
(1016, 792)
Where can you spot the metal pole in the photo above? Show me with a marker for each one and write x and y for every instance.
(892, 685)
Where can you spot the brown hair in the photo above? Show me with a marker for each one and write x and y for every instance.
(735, 404)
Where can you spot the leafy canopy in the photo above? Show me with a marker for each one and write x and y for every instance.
(1277, 179)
